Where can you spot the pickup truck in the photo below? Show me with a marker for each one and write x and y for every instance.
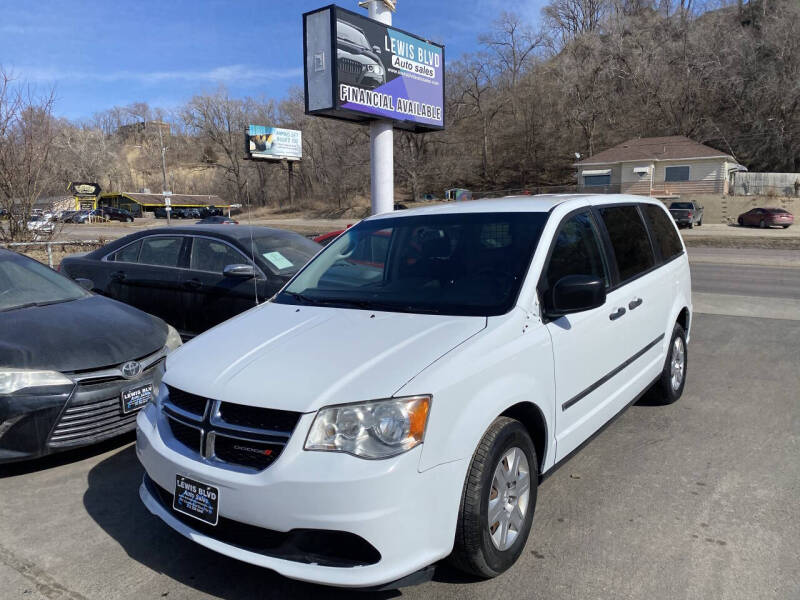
(686, 214)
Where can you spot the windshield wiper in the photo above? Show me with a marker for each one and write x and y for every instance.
(302, 298)
(381, 306)
(32, 304)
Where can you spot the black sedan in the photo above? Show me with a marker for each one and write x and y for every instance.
(194, 277)
(74, 367)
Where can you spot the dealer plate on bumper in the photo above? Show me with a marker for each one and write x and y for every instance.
(198, 500)
(135, 398)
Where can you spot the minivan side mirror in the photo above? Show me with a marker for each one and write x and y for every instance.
(242, 271)
(576, 293)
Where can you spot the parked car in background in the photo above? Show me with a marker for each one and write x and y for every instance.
(39, 225)
(64, 216)
(766, 217)
(210, 211)
(75, 368)
(116, 214)
(194, 277)
(686, 214)
(89, 216)
(407, 390)
(327, 238)
(217, 220)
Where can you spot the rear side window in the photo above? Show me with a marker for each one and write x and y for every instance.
(161, 251)
(629, 240)
(129, 253)
(666, 238)
(576, 251)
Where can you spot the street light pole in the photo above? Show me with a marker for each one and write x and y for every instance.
(381, 135)
(164, 170)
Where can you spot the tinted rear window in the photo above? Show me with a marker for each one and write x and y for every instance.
(629, 239)
(666, 238)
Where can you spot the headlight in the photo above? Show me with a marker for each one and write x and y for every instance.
(377, 429)
(12, 380)
(377, 69)
(173, 338)
(158, 376)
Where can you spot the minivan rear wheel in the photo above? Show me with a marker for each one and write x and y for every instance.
(498, 501)
(673, 377)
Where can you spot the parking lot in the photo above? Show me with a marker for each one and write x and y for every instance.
(692, 500)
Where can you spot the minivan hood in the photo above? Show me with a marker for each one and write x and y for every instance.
(301, 358)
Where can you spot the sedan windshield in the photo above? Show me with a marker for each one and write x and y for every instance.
(456, 264)
(25, 282)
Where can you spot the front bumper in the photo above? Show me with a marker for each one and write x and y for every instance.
(407, 516)
(47, 420)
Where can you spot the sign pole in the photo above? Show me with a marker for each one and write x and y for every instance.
(381, 136)
(291, 191)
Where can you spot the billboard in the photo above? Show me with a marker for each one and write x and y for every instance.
(273, 143)
(359, 69)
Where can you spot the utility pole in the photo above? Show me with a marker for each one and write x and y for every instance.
(164, 189)
(381, 136)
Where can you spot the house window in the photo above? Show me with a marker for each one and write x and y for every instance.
(676, 174)
(596, 180)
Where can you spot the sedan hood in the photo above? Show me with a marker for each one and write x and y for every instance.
(301, 358)
(89, 333)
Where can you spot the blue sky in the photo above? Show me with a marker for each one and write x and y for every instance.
(98, 54)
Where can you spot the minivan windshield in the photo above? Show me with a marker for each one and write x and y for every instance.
(455, 264)
(25, 282)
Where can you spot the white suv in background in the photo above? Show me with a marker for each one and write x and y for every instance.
(399, 401)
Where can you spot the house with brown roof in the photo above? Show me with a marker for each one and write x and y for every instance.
(665, 167)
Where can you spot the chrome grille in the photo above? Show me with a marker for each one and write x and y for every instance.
(349, 65)
(227, 433)
(94, 410)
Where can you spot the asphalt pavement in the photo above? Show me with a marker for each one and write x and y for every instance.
(697, 500)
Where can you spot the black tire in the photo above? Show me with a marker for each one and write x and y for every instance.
(786, 227)
(762, 225)
(664, 390)
(741, 222)
(474, 552)
(690, 225)
(129, 219)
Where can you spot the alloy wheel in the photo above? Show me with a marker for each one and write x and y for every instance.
(509, 498)
(678, 366)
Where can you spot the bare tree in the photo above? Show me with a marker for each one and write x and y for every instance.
(27, 130)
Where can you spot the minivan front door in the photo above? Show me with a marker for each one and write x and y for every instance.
(587, 346)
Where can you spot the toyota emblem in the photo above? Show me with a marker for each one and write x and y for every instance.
(131, 369)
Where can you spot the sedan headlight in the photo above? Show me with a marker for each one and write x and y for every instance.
(12, 380)
(173, 339)
(377, 429)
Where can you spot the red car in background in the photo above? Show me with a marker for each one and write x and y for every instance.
(766, 217)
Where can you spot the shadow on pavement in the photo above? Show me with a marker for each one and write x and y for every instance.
(112, 500)
(64, 458)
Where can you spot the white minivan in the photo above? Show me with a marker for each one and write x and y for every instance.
(399, 401)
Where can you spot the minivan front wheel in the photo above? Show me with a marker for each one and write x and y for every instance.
(498, 501)
(673, 377)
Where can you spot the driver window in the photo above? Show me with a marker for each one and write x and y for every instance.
(576, 251)
(213, 256)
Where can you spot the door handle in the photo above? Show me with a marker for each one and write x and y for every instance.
(616, 315)
(118, 276)
(635, 303)
(192, 284)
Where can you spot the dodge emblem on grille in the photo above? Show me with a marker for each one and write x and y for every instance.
(131, 369)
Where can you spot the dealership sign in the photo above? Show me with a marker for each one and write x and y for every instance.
(273, 143)
(359, 69)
